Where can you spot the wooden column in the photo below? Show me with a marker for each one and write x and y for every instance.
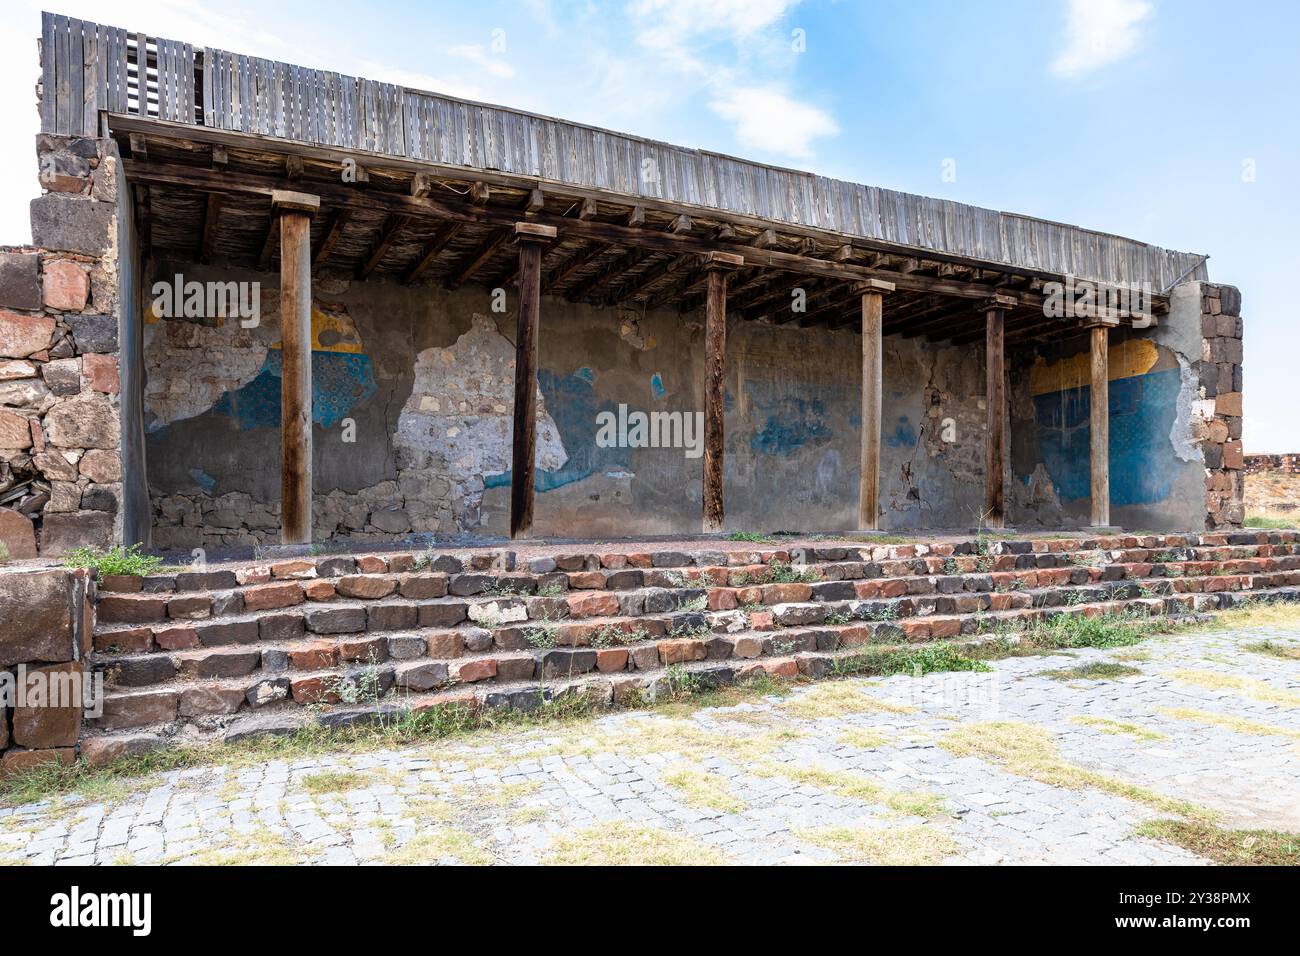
(995, 397)
(717, 265)
(530, 237)
(872, 387)
(295, 211)
(1099, 426)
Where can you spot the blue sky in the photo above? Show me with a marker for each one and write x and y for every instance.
(1137, 117)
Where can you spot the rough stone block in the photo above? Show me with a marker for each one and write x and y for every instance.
(20, 281)
(72, 224)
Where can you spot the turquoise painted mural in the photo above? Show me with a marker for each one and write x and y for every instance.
(1141, 414)
(340, 381)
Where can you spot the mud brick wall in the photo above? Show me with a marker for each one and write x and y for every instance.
(46, 621)
(60, 434)
(1218, 420)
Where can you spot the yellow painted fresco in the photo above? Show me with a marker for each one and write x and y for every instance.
(1128, 358)
(330, 331)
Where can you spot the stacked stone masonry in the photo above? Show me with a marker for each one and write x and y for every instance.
(60, 432)
(46, 618)
(1220, 418)
(266, 648)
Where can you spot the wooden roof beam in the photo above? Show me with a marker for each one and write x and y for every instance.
(477, 259)
(338, 221)
(613, 233)
(608, 274)
(445, 234)
(387, 235)
(211, 213)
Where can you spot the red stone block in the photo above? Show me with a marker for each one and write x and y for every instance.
(267, 596)
(178, 638)
(611, 659)
(314, 655)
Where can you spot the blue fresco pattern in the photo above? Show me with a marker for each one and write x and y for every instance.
(1142, 411)
(340, 382)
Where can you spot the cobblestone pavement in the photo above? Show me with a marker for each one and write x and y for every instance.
(1007, 767)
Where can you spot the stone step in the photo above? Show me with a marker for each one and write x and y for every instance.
(170, 631)
(219, 578)
(922, 576)
(315, 672)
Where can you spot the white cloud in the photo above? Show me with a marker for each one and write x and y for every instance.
(769, 120)
(1098, 33)
(664, 24)
(477, 54)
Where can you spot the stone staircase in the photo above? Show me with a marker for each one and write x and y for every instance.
(239, 650)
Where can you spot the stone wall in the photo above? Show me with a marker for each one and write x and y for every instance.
(1274, 464)
(421, 380)
(60, 463)
(1218, 422)
(46, 622)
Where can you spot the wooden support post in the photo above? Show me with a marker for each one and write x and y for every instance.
(1100, 426)
(872, 385)
(717, 265)
(530, 238)
(995, 397)
(295, 211)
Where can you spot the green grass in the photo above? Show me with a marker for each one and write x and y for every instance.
(117, 560)
(751, 536)
(1263, 521)
(1227, 847)
(882, 662)
(1094, 670)
(1287, 652)
(1072, 631)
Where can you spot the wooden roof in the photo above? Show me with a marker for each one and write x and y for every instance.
(209, 135)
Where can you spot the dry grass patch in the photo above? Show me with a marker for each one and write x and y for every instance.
(1286, 652)
(332, 781)
(896, 846)
(1258, 614)
(1093, 670)
(1028, 751)
(1108, 726)
(260, 847)
(863, 739)
(440, 843)
(629, 844)
(1249, 686)
(836, 698)
(1227, 847)
(855, 786)
(1238, 724)
(701, 788)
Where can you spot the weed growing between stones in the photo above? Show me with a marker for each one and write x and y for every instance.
(1028, 750)
(622, 843)
(117, 560)
(1108, 726)
(1248, 686)
(702, 788)
(884, 661)
(1238, 724)
(884, 846)
(1093, 670)
(1227, 847)
(332, 781)
(1286, 652)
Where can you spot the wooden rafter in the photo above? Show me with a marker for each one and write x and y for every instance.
(387, 236)
(477, 259)
(445, 234)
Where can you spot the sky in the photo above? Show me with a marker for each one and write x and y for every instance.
(1169, 121)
